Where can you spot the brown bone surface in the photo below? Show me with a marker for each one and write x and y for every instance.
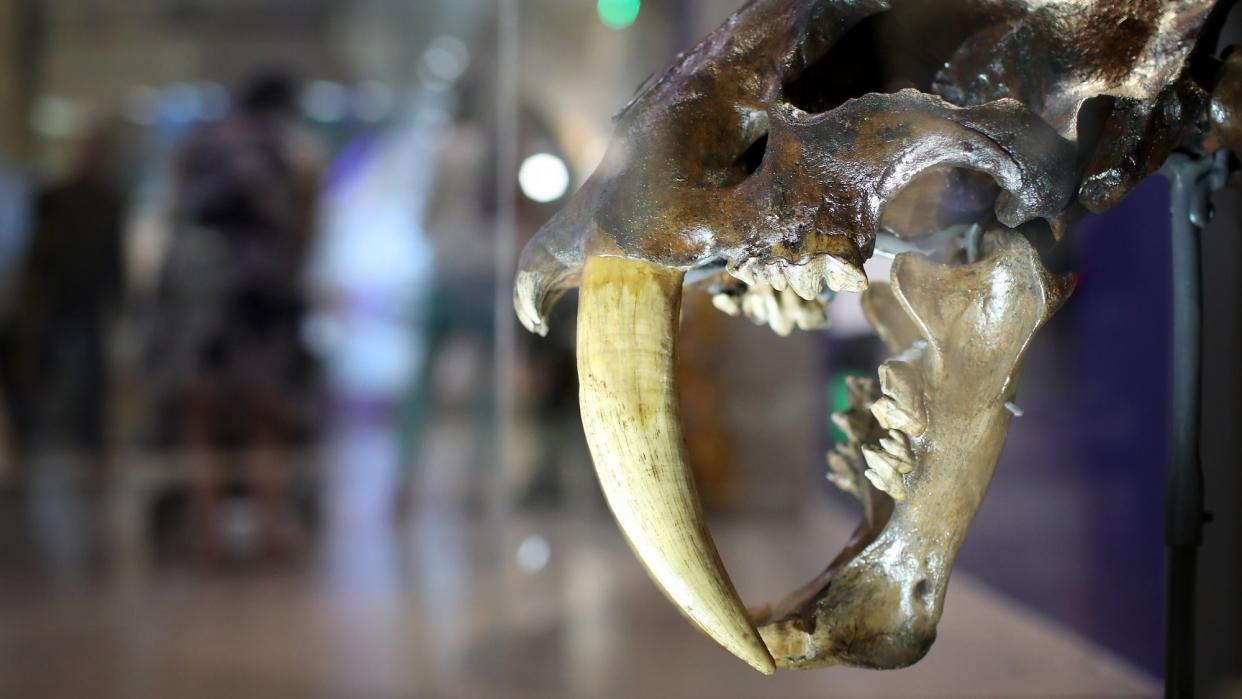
(765, 166)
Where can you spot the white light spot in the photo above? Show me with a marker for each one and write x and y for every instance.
(543, 177)
(447, 58)
(533, 554)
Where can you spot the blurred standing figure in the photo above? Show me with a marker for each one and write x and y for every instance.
(70, 290)
(230, 306)
(15, 208)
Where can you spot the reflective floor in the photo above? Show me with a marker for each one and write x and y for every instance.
(438, 603)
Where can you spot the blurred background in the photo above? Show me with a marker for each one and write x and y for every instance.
(268, 426)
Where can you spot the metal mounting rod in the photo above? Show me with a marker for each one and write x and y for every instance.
(1192, 182)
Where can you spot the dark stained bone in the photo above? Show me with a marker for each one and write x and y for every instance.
(719, 159)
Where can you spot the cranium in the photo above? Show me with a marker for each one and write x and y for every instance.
(764, 166)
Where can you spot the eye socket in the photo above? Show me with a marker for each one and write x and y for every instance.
(752, 147)
(884, 52)
(753, 157)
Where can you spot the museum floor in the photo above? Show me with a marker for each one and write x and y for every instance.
(438, 605)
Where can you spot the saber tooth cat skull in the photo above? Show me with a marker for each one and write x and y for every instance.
(764, 166)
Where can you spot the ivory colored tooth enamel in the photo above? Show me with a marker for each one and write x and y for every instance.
(776, 276)
(804, 279)
(777, 320)
(891, 416)
(726, 303)
(844, 275)
(628, 313)
(882, 474)
(526, 305)
(901, 381)
(841, 419)
(812, 316)
(884, 485)
(754, 305)
(841, 473)
(902, 460)
(743, 270)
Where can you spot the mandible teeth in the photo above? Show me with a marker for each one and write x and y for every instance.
(897, 446)
(811, 315)
(892, 416)
(754, 304)
(779, 319)
(726, 303)
(901, 381)
(841, 472)
(883, 472)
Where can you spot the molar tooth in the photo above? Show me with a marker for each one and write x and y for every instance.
(805, 279)
(860, 390)
(841, 419)
(882, 473)
(841, 472)
(744, 270)
(776, 275)
(896, 446)
(892, 416)
(843, 274)
(901, 381)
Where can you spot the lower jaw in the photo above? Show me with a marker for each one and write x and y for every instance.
(879, 608)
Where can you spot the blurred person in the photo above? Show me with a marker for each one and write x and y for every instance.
(229, 309)
(15, 212)
(371, 274)
(69, 292)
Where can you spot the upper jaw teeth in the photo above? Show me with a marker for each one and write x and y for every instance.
(805, 276)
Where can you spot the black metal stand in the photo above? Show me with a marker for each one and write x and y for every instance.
(1192, 180)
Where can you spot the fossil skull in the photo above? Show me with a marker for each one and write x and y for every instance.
(764, 166)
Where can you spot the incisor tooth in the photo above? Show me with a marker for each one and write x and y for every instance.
(628, 312)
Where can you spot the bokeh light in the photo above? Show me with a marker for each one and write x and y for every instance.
(618, 14)
(543, 177)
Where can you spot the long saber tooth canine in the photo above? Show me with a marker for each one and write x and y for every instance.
(628, 313)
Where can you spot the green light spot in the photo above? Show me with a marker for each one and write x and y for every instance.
(618, 14)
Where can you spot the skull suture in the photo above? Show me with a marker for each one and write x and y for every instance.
(769, 162)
